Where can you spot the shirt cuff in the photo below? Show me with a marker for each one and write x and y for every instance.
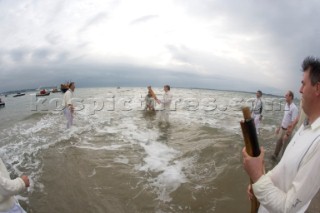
(261, 183)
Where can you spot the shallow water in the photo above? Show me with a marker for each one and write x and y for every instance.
(117, 158)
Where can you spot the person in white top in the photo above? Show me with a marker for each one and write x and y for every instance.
(68, 106)
(291, 112)
(9, 188)
(166, 103)
(294, 181)
(256, 113)
(296, 124)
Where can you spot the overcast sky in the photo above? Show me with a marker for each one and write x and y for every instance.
(220, 44)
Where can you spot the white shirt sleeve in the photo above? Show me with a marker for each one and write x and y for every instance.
(295, 113)
(303, 188)
(9, 187)
(167, 98)
(67, 98)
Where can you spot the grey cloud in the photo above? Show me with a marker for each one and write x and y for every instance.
(19, 55)
(53, 38)
(24, 56)
(16, 55)
(94, 20)
(59, 6)
(180, 53)
(286, 31)
(281, 18)
(56, 11)
(41, 53)
(47, 55)
(95, 75)
(283, 24)
(214, 64)
(143, 19)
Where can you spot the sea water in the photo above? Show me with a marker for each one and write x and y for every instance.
(118, 158)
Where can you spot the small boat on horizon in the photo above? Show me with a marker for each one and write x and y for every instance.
(54, 90)
(43, 94)
(18, 94)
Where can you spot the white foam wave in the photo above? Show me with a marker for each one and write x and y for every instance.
(169, 180)
(160, 158)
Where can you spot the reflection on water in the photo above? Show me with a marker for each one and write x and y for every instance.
(165, 133)
(150, 117)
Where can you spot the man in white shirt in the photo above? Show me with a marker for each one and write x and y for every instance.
(166, 103)
(257, 110)
(290, 114)
(294, 181)
(9, 188)
(67, 104)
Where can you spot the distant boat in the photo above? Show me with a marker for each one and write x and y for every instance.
(44, 94)
(18, 94)
(54, 90)
(2, 104)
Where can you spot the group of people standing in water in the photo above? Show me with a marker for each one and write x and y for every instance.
(150, 102)
(151, 99)
(284, 130)
(294, 181)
